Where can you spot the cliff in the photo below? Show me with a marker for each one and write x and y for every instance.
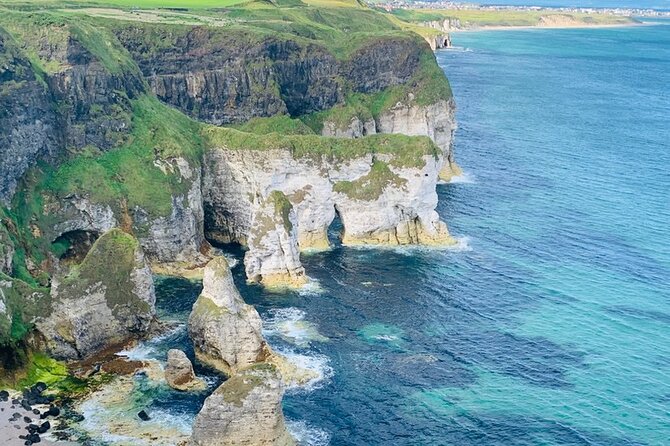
(113, 120)
(280, 196)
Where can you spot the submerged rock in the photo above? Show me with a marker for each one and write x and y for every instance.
(106, 300)
(226, 332)
(244, 411)
(179, 372)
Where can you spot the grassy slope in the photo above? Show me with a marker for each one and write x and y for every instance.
(128, 176)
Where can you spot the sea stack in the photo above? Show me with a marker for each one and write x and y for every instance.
(244, 411)
(226, 332)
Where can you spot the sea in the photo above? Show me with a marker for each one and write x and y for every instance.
(549, 322)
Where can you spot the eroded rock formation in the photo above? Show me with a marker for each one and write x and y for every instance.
(226, 332)
(244, 411)
(286, 204)
(179, 372)
(106, 300)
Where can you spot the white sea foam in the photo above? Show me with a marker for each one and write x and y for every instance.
(463, 178)
(140, 352)
(290, 325)
(147, 349)
(311, 288)
(231, 259)
(462, 244)
(307, 435)
(314, 362)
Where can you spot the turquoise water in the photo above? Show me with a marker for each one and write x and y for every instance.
(550, 323)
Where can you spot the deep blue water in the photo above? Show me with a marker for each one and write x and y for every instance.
(553, 328)
(550, 325)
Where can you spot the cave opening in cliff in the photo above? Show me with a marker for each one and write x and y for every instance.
(336, 230)
(72, 246)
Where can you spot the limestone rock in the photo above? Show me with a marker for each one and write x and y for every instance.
(6, 251)
(437, 121)
(244, 411)
(378, 202)
(179, 372)
(107, 299)
(226, 332)
(273, 226)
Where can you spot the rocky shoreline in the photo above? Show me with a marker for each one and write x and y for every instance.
(133, 158)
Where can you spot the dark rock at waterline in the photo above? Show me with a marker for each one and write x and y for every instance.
(52, 411)
(32, 428)
(34, 438)
(44, 427)
(144, 416)
(4, 395)
(26, 406)
(36, 411)
(27, 420)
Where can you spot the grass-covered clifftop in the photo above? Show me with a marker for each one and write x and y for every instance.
(100, 99)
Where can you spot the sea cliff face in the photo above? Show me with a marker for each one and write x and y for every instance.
(279, 204)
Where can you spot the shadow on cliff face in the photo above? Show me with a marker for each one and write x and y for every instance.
(74, 245)
(336, 231)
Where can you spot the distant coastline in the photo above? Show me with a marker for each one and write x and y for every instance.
(435, 20)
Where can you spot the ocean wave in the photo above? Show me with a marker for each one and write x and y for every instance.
(462, 244)
(311, 288)
(307, 435)
(290, 325)
(463, 178)
(148, 349)
(314, 362)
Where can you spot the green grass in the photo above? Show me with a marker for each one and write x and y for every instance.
(371, 186)
(275, 124)
(407, 151)
(129, 174)
(283, 208)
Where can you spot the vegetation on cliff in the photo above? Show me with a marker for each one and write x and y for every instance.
(113, 131)
(406, 151)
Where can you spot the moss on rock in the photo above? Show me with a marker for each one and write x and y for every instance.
(371, 186)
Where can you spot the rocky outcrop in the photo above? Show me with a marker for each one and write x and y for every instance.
(439, 41)
(226, 332)
(437, 121)
(179, 372)
(179, 236)
(355, 128)
(107, 299)
(244, 411)
(378, 201)
(6, 251)
(445, 25)
(173, 238)
(28, 128)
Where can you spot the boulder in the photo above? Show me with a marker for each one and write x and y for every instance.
(179, 372)
(106, 300)
(244, 411)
